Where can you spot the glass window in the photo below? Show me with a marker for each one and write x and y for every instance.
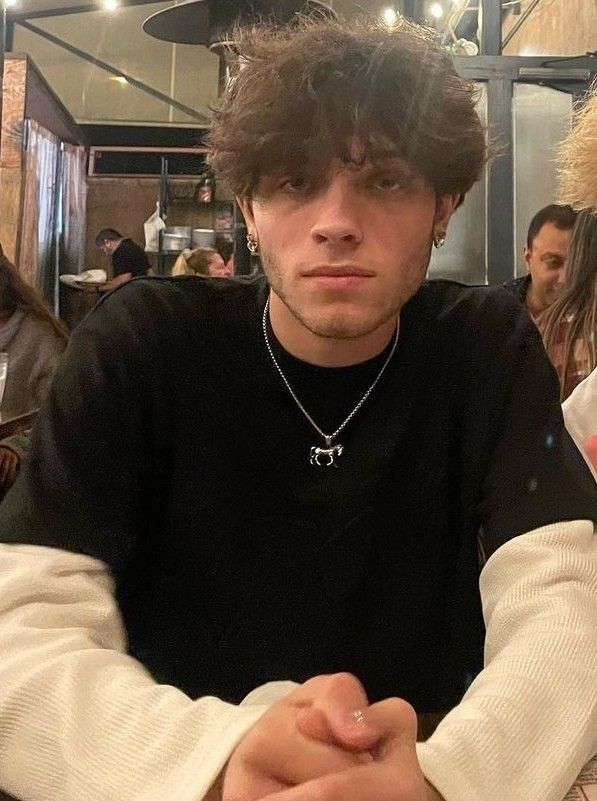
(541, 120)
(463, 257)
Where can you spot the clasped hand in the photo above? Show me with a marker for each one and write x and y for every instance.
(323, 742)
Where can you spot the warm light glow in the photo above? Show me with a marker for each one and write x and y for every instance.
(436, 11)
(119, 79)
(110, 5)
(9, 3)
(389, 15)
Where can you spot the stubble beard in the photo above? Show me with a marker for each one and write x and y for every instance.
(342, 326)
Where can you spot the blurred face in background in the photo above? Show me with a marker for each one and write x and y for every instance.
(546, 262)
(217, 268)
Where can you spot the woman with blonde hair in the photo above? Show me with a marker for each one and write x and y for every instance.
(569, 326)
(201, 261)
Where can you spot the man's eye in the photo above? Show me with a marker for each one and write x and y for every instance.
(388, 183)
(295, 183)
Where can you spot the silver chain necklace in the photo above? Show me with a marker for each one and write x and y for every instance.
(317, 455)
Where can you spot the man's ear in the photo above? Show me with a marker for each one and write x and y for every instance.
(526, 257)
(246, 206)
(445, 206)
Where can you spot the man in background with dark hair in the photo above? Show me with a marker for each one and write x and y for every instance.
(129, 260)
(239, 487)
(545, 255)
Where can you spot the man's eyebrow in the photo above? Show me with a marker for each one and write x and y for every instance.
(393, 163)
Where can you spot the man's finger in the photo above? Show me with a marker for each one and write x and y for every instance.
(274, 754)
(394, 775)
(396, 720)
(395, 778)
(336, 713)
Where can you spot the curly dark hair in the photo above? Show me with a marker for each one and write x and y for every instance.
(302, 95)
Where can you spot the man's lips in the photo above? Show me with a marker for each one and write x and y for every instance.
(337, 271)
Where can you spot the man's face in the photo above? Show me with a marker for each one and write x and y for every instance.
(108, 247)
(546, 261)
(345, 253)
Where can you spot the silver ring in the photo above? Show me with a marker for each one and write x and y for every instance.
(358, 716)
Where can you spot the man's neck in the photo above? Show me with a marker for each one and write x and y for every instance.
(534, 304)
(323, 351)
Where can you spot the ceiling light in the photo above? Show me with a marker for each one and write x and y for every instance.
(110, 5)
(436, 10)
(389, 15)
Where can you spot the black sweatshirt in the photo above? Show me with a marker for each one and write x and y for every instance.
(170, 449)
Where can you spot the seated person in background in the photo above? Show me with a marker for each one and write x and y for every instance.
(569, 325)
(129, 260)
(545, 256)
(187, 533)
(33, 340)
(201, 261)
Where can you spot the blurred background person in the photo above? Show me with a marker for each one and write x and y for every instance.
(578, 186)
(569, 325)
(545, 255)
(201, 261)
(129, 260)
(32, 340)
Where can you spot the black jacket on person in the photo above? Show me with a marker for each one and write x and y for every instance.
(519, 287)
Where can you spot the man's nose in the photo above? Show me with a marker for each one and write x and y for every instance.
(562, 275)
(338, 214)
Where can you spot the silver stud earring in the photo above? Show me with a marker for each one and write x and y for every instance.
(252, 243)
(439, 240)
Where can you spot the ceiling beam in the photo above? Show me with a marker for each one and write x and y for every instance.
(196, 115)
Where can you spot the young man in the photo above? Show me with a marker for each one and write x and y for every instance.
(545, 256)
(165, 549)
(129, 260)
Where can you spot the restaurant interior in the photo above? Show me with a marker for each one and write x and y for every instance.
(105, 108)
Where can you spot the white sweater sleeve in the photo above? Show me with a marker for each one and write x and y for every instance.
(79, 719)
(528, 722)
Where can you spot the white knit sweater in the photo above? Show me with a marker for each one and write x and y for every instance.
(82, 721)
